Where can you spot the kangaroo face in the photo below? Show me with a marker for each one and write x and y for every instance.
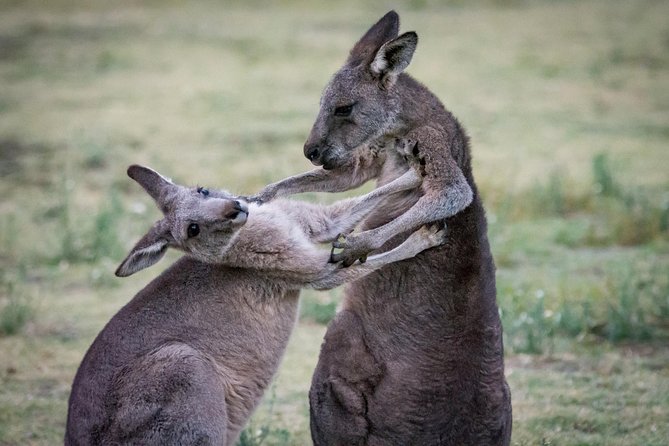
(203, 224)
(196, 221)
(354, 111)
(362, 101)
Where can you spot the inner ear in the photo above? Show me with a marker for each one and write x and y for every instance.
(142, 258)
(393, 57)
(148, 250)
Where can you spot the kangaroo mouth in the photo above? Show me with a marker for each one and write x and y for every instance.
(239, 214)
(330, 163)
(327, 157)
(238, 217)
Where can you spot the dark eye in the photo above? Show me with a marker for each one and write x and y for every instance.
(193, 230)
(203, 191)
(343, 111)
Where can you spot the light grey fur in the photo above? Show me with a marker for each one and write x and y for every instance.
(188, 359)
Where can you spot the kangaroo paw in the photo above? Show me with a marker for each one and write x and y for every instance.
(408, 148)
(263, 196)
(353, 248)
(431, 235)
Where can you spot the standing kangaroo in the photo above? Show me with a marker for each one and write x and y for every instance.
(187, 360)
(415, 357)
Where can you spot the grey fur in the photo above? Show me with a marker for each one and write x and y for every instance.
(415, 357)
(188, 358)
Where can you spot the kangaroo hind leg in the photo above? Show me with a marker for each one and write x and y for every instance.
(169, 396)
(346, 375)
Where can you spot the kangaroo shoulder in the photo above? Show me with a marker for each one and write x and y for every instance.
(273, 223)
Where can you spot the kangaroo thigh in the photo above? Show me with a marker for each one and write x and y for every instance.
(170, 396)
(345, 375)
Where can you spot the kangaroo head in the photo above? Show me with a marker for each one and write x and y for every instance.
(198, 222)
(361, 103)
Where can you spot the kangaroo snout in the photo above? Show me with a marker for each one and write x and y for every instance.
(313, 152)
(321, 155)
(235, 210)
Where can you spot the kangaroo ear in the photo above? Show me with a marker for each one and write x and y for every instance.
(393, 57)
(152, 182)
(148, 250)
(382, 31)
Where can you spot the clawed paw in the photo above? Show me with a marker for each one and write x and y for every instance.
(436, 233)
(408, 148)
(262, 197)
(252, 199)
(429, 236)
(350, 250)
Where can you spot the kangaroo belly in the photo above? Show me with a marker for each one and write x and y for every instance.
(434, 336)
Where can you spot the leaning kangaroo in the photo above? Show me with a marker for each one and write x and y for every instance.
(187, 360)
(415, 357)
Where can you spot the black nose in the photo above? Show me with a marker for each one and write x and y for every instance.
(241, 206)
(311, 152)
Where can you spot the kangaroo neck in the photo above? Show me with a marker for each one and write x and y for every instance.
(418, 107)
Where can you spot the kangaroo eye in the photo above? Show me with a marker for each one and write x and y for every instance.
(344, 110)
(193, 230)
(203, 191)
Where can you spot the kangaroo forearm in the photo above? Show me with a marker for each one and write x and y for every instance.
(311, 181)
(334, 275)
(319, 180)
(353, 175)
(429, 208)
(343, 216)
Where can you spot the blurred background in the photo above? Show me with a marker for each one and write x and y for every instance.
(567, 104)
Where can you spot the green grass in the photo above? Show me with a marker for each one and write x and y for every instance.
(14, 314)
(566, 105)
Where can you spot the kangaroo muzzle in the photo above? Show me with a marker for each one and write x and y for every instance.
(313, 153)
(322, 155)
(236, 211)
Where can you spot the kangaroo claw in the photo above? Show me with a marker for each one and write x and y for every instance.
(335, 257)
(264, 196)
(409, 150)
(339, 242)
(435, 232)
(353, 249)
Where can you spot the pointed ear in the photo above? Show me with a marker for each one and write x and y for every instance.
(393, 57)
(382, 31)
(147, 251)
(152, 182)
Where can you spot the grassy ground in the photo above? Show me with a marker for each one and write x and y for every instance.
(566, 103)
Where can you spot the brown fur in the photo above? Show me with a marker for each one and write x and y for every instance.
(415, 357)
